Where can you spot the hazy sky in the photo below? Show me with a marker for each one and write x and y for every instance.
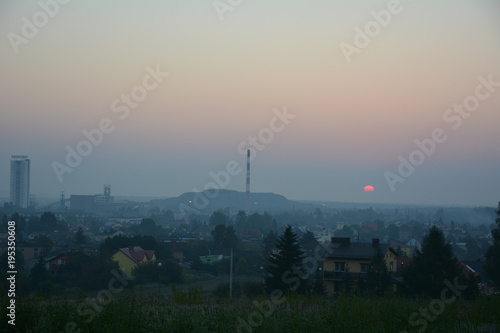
(353, 119)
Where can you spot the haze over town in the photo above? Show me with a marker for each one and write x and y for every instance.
(249, 166)
(355, 113)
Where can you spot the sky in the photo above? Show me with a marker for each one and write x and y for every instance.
(334, 93)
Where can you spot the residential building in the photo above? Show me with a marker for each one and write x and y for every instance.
(324, 236)
(54, 263)
(415, 244)
(130, 257)
(20, 181)
(252, 235)
(404, 262)
(401, 247)
(211, 258)
(346, 259)
(28, 250)
(340, 225)
(177, 247)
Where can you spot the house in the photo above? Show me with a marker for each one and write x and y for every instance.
(403, 249)
(403, 262)
(176, 247)
(324, 236)
(211, 258)
(117, 234)
(369, 226)
(27, 249)
(54, 263)
(60, 239)
(252, 234)
(178, 256)
(35, 234)
(477, 268)
(471, 269)
(130, 257)
(415, 243)
(346, 258)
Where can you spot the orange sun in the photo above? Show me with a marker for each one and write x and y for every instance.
(369, 188)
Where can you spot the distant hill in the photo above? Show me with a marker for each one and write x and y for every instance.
(270, 202)
(208, 201)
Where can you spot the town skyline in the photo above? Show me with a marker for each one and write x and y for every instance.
(331, 96)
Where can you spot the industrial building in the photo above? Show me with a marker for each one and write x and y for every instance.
(93, 203)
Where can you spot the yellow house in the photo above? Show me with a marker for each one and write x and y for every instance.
(130, 257)
(354, 258)
(403, 249)
(407, 251)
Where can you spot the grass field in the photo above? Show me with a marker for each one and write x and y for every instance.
(189, 311)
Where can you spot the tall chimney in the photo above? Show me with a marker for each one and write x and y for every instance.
(248, 182)
(248, 174)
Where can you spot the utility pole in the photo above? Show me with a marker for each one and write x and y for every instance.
(247, 196)
(231, 276)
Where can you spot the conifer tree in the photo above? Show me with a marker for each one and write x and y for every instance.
(285, 269)
(492, 265)
(431, 267)
(378, 279)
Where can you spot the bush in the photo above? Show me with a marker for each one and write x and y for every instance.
(252, 289)
(222, 290)
(169, 272)
(193, 295)
(221, 267)
(298, 314)
(241, 267)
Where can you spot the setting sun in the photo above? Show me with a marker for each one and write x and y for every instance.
(369, 188)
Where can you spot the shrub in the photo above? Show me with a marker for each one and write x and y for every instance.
(222, 290)
(252, 289)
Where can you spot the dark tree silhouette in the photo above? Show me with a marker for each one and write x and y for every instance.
(492, 265)
(241, 220)
(431, 267)
(308, 242)
(224, 239)
(217, 218)
(48, 222)
(285, 269)
(45, 242)
(378, 278)
(269, 244)
(39, 273)
(148, 227)
(318, 287)
(80, 237)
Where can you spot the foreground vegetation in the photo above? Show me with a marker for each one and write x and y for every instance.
(189, 311)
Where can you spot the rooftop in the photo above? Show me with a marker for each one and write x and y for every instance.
(343, 248)
(137, 253)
